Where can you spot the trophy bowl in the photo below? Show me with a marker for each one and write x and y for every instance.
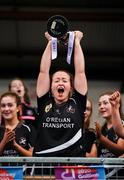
(57, 26)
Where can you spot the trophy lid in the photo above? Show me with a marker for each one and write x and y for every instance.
(57, 26)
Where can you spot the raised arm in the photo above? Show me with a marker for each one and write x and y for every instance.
(116, 118)
(115, 148)
(43, 81)
(80, 81)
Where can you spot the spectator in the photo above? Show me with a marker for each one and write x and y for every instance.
(61, 113)
(16, 138)
(89, 137)
(110, 145)
(28, 112)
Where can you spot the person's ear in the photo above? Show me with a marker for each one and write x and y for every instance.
(19, 108)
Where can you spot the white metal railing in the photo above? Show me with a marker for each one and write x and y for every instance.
(43, 167)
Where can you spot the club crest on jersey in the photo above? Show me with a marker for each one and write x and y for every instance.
(70, 109)
(48, 107)
(22, 141)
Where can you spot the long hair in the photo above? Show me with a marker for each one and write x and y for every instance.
(87, 123)
(26, 95)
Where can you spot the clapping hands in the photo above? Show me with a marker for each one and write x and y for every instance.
(9, 135)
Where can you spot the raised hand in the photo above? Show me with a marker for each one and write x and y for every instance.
(115, 99)
(48, 37)
(78, 35)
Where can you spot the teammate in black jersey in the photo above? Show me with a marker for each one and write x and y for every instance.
(16, 138)
(110, 144)
(61, 105)
(28, 112)
(89, 137)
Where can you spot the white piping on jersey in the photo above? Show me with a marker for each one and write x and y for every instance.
(73, 100)
(27, 127)
(63, 146)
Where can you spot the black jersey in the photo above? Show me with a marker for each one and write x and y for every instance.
(60, 126)
(89, 138)
(29, 115)
(24, 136)
(103, 152)
(112, 136)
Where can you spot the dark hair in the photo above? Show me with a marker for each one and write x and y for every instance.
(18, 102)
(70, 75)
(120, 108)
(12, 94)
(26, 95)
